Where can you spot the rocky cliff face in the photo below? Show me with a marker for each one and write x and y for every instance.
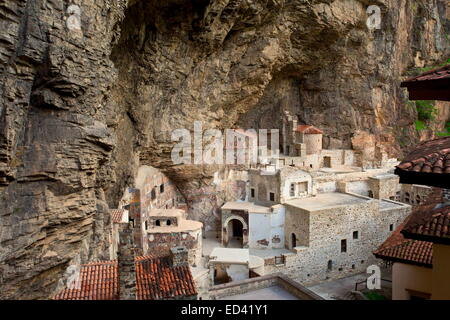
(80, 110)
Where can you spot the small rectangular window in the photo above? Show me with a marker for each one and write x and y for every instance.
(252, 192)
(355, 235)
(279, 260)
(292, 191)
(161, 188)
(391, 227)
(272, 196)
(344, 245)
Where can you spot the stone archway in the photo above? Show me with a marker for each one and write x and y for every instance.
(235, 232)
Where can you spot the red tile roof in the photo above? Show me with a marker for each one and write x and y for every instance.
(428, 162)
(430, 225)
(399, 249)
(436, 74)
(308, 129)
(156, 279)
(116, 215)
(432, 85)
(98, 281)
(430, 156)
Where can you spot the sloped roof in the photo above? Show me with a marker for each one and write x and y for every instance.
(116, 215)
(435, 74)
(430, 225)
(399, 249)
(156, 279)
(431, 85)
(427, 164)
(308, 129)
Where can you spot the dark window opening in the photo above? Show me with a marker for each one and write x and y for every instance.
(169, 222)
(344, 245)
(252, 192)
(391, 227)
(356, 235)
(153, 194)
(158, 223)
(370, 194)
(146, 225)
(353, 266)
(132, 223)
(161, 188)
(294, 240)
(327, 162)
(407, 197)
(292, 190)
(330, 265)
(272, 196)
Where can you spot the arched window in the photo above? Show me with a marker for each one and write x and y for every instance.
(294, 241)
(407, 197)
(158, 223)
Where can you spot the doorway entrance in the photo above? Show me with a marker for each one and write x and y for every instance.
(235, 234)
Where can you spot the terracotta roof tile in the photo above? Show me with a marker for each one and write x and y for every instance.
(156, 279)
(308, 129)
(428, 163)
(436, 74)
(399, 249)
(430, 224)
(430, 156)
(116, 215)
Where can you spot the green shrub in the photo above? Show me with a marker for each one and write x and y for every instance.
(426, 110)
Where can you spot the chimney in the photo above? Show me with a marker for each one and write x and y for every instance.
(179, 256)
(126, 263)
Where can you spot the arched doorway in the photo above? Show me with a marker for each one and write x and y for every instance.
(294, 241)
(235, 234)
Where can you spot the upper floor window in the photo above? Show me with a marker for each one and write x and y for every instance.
(344, 245)
(272, 196)
(161, 188)
(292, 190)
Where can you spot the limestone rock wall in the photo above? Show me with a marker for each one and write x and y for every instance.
(80, 110)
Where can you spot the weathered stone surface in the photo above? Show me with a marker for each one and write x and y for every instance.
(81, 109)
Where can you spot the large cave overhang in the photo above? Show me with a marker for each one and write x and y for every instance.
(431, 85)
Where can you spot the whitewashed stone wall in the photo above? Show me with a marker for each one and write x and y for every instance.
(267, 230)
